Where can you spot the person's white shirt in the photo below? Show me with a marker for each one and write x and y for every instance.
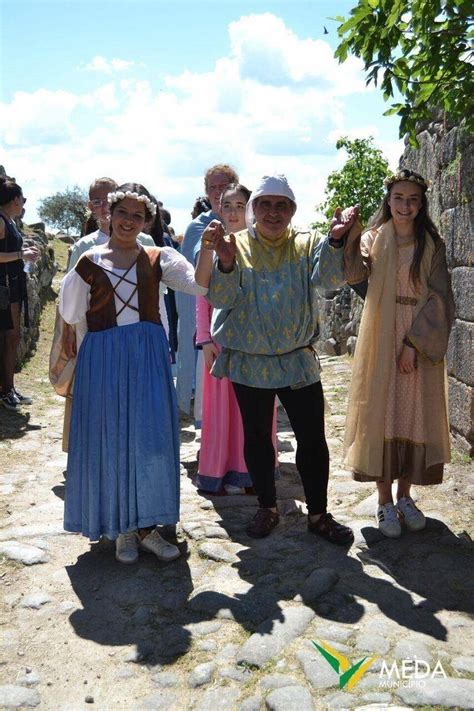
(177, 273)
(99, 238)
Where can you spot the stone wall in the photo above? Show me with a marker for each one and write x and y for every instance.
(39, 282)
(444, 156)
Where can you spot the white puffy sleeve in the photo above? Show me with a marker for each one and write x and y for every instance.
(74, 298)
(178, 273)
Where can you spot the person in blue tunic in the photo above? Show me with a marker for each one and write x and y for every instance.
(264, 287)
(123, 463)
(216, 179)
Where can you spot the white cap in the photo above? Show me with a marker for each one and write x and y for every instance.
(269, 185)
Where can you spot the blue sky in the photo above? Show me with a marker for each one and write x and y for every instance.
(158, 91)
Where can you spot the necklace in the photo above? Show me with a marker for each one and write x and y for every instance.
(404, 244)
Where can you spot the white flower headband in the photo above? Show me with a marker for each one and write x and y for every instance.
(406, 175)
(119, 195)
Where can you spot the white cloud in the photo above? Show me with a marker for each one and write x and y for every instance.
(275, 103)
(101, 64)
(271, 53)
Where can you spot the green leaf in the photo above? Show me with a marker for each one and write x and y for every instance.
(428, 52)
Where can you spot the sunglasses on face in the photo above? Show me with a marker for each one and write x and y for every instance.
(98, 202)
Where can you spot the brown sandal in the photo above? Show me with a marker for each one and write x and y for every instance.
(262, 523)
(327, 527)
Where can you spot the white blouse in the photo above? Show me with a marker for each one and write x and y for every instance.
(74, 298)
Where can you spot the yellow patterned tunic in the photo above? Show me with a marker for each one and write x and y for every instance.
(266, 312)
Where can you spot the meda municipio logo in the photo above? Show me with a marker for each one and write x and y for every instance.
(348, 673)
(408, 673)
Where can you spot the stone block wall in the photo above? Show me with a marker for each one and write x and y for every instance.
(446, 157)
(39, 282)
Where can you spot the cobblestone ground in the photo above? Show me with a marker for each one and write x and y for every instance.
(231, 624)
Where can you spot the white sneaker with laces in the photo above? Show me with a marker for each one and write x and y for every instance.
(387, 519)
(126, 547)
(413, 518)
(163, 550)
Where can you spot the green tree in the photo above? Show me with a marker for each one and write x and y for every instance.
(65, 210)
(422, 48)
(360, 181)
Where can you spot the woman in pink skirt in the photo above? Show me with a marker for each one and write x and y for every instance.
(221, 458)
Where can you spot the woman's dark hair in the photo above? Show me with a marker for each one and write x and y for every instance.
(165, 216)
(90, 225)
(201, 204)
(236, 188)
(135, 188)
(156, 230)
(423, 221)
(9, 189)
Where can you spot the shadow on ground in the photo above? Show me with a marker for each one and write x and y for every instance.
(154, 605)
(150, 605)
(14, 425)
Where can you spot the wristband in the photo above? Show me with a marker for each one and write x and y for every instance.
(337, 243)
(224, 270)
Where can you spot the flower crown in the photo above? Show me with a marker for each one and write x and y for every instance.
(405, 174)
(120, 195)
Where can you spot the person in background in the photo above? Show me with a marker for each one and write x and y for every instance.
(170, 237)
(90, 225)
(13, 295)
(99, 213)
(169, 240)
(216, 179)
(201, 204)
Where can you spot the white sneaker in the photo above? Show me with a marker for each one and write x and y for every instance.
(413, 518)
(126, 547)
(232, 490)
(161, 548)
(387, 520)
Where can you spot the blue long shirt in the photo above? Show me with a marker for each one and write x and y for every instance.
(266, 310)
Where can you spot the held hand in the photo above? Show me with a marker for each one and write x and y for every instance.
(407, 360)
(30, 254)
(213, 231)
(69, 341)
(226, 250)
(210, 352)
(342, 221)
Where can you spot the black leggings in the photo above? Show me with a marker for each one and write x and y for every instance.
(305, 410)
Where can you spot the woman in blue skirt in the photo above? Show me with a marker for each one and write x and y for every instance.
(123, 463)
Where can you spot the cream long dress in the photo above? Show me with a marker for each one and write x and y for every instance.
(397, 423)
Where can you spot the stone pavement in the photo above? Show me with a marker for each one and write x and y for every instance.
(231, 624)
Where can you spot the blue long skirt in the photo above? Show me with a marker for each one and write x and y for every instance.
(123, 463)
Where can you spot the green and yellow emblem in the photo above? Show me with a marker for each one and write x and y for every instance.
(348, 673)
